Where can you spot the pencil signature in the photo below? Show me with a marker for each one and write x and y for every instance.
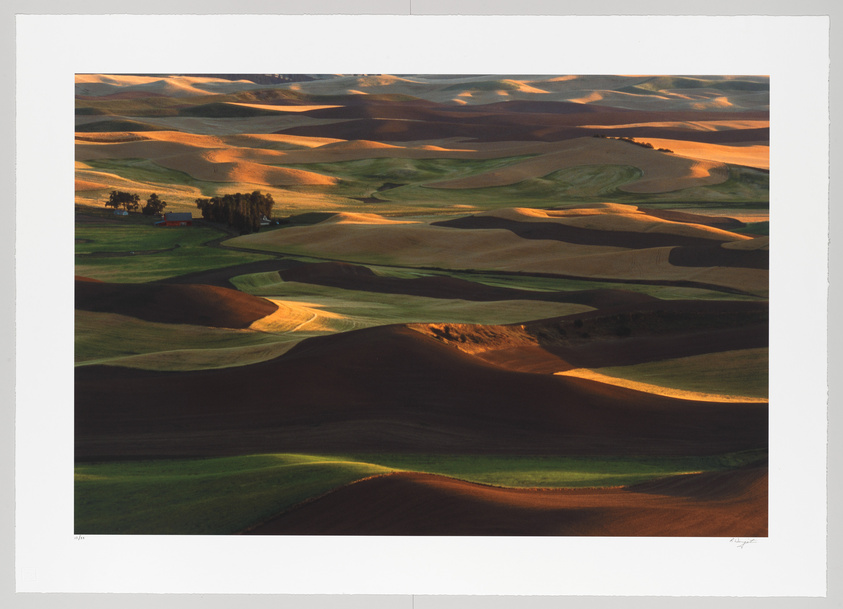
(741, 542)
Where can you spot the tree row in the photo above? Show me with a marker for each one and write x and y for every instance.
(243, 212)
(131, 202)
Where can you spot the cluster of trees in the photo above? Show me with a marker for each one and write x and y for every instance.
(631, 141)
(244, 212)
(131, 202)
(154, 205)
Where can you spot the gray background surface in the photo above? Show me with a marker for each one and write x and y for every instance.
(8, 597)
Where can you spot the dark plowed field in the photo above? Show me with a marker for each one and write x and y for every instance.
(392, 389)
(202, 305)
(722, 504)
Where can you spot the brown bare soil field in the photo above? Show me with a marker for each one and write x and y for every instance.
(391, 388)
(202, 305)
(663, 172)
(722, 504)
(709, 256)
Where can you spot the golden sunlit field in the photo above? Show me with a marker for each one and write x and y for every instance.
(421, 305)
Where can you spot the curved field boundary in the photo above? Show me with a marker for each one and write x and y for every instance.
(230, 495)
(585, 373)
(672, 215)
(222, 277)
(391, 389)
(190, 304)
(424, 246)
(582, 236)
(354, 277)
(424, 504)
(341, 257)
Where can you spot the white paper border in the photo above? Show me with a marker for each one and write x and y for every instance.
(792, 50)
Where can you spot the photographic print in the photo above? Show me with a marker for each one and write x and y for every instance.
(421, 304)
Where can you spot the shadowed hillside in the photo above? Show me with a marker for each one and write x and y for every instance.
(392, 389)
(202, 305)
(717, 505)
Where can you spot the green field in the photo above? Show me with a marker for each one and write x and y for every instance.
(401, 186)
(585, 182)
(209, 496)
(755, 228)
(742, 372)
(376, 171)
(145, 170)
(136, 251)
(746, 187)
(140, 237)
(131, 250)
(553, 284)
(374, 308)
(108, 338)
(660, 83)
(228, 495)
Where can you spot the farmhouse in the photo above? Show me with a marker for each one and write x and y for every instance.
(176, 219)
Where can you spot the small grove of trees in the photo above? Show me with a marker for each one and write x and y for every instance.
(154, 206)
(131, 201)
(127, 200)
(631, 141)
(244, 212)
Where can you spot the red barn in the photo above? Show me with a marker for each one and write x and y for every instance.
(176, 219)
